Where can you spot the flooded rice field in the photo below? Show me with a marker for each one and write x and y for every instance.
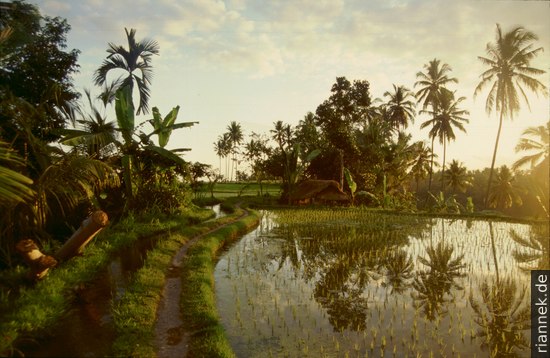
(353, 283)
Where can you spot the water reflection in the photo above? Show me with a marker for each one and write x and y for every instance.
(433, 286)
(534, 253)
(502, 314)
(398, 268)
(382, 286)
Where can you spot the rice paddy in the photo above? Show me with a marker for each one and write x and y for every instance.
(354, 283)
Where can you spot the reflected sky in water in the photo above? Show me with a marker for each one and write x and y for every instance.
(364, 283)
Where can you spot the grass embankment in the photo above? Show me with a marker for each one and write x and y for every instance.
(135, 313)
(200, 314)
(38, 307)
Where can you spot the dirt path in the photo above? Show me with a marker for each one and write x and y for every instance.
(171, 337)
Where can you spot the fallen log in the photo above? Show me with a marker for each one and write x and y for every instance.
(37, 261)
(87, 231)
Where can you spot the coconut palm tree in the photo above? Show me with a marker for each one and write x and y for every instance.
(536, 142)
(504, 192)
(95, 130)
(446, 116)
(400, 108)
(457, 177)
(135, 62)
(432, 83)
(235, 133)
(14, 186)
(422, 162)
(509, 75)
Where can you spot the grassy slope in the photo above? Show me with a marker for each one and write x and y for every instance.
(40, 306)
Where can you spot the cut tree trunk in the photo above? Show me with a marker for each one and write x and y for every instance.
(87, 231)
(38, 262)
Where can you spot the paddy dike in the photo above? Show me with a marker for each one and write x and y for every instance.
(171, 335)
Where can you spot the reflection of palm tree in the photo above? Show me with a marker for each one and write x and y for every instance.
(536, 255)
(399, 266)
(431, 286)
(340, 292)
(502, 315)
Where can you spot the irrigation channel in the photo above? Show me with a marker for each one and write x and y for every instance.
(326, 283)
(87, 330)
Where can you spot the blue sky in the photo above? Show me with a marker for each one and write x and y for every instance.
(257, 62)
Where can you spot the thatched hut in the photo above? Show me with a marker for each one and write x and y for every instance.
(318, 191)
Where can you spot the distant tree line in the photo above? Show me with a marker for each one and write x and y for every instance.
(368, 138)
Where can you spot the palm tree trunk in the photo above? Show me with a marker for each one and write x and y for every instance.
(431, 173)
(493, 161)
(443, 170)
(431, 167)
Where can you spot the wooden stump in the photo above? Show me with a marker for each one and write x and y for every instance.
(87, 231)
(38, 262)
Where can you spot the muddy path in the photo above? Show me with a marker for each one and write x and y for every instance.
(171, 335)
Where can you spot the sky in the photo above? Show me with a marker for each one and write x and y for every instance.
(257, 62)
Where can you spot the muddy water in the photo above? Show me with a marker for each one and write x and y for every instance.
(88, 330)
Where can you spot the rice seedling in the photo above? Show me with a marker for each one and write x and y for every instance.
(331, 274)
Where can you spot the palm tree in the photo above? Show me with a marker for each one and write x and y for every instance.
(422, 163)
(14, 186)
(446, 116)
(457, 177)
(137, 58)
(504, 193)
(535, 141)
(219, 149)
(509, 75)
(96, 131)
(400, 108)
(235, 133)
(432, 83)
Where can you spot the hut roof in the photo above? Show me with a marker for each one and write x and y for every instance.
(321, 189)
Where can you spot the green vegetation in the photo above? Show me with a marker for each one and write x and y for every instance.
(356, 282)
(224, 190)
(34, 309)
(197, 300)
(61, 159)
(135, 313)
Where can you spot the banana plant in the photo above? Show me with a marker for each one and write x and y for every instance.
(351, 184)
(163, 127)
